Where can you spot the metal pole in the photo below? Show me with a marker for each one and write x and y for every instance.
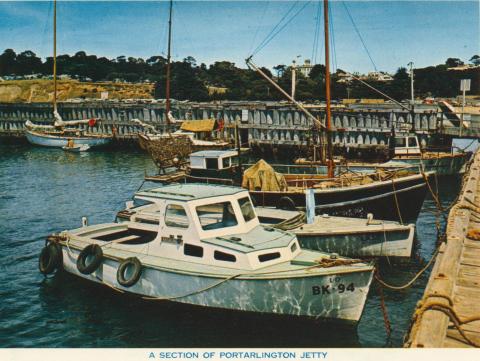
(294, 80)
(463, 111)
(327, 94)
(316, 122)
(412, 95)
(167, 87)
(55, 56)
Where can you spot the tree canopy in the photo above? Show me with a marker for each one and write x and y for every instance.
(191, 81)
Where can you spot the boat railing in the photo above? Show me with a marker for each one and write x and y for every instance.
(210, 180)
(346, 179)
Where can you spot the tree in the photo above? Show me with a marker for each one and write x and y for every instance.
(454, 62)
(28, 63)
(8, 63)
(475, 60)
(280, 69)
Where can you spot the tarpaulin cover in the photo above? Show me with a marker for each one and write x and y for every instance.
(202, 125)
(262, 177)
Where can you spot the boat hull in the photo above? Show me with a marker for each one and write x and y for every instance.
(53, 141)
(397, 200)
(318, 297)
(444, 165)
(397, 243)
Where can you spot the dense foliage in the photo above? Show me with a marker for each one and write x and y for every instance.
(192, 81)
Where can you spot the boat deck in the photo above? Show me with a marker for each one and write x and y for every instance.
(454, 283)
(325, 224)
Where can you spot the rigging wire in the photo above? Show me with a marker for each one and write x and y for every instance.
(257, 49)
(46, 29)
(359, 35)
(259, 25)
(316, 34)
(332, 40)
(278, 29)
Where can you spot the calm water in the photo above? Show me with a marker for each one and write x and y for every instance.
(44, 191)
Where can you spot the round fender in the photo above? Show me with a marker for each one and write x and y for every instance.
(94, 251)
(286, 203)
(51, 258)
(132, 262)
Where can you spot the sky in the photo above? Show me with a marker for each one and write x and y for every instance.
(365, 35)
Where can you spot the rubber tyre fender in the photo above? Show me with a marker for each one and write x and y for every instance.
(286, 203)
(50, 259)
(91, 250)
(137, 271)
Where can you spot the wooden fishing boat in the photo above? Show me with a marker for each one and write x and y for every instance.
(407, 153)
(395, 195)
(58, 135)
(172, 148)
(60, 139)
(203, 245)
(351, 237)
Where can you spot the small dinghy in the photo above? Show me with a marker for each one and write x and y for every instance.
(76, 148)
(351, 237)
(203, 245)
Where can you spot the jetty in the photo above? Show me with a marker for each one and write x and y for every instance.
(264, 126)
(448, 315)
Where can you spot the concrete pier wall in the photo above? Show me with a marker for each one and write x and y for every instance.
(261, 124)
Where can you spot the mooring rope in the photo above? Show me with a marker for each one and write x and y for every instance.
(412, 281)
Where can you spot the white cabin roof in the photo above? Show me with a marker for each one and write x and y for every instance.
(190, 191)
(214, 153)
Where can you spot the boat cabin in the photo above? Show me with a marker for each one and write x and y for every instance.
(213, 163)
(208, 224)
(406, 145)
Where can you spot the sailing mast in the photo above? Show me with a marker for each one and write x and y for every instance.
(54, 56)
(167, 86)
(328, 114)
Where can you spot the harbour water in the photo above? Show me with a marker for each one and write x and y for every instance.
(47, 190)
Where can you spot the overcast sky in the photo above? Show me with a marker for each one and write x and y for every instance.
(394, 32)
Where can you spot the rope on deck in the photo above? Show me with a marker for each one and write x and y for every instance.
(450, 312)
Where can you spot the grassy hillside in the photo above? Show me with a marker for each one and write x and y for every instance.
(34, 91)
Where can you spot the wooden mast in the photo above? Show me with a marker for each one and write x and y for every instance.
(328, 115)
(55, 55)
(167, 86)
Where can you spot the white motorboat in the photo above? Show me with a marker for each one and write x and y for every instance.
(203, 245)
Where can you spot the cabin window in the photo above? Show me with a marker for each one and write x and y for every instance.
(268, 256)
(193, 251)
(226, 162)
(222, 256)
(216, 215)
(400, 142)
(412, 142)
(137, 202)
(293, 247)
(211, 163)
(175, 216)
(247, 209)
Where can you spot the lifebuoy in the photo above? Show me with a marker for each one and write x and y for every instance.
(94, 251)
(92, 122)
(51, 258)
(286, 203)
(134, 276)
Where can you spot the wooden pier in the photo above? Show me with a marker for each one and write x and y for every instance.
(448, 314)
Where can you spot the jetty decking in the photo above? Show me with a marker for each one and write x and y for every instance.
(454, 285)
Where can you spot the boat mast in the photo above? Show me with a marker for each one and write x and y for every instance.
(328, 114)
(167, 87)
(54, 56)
